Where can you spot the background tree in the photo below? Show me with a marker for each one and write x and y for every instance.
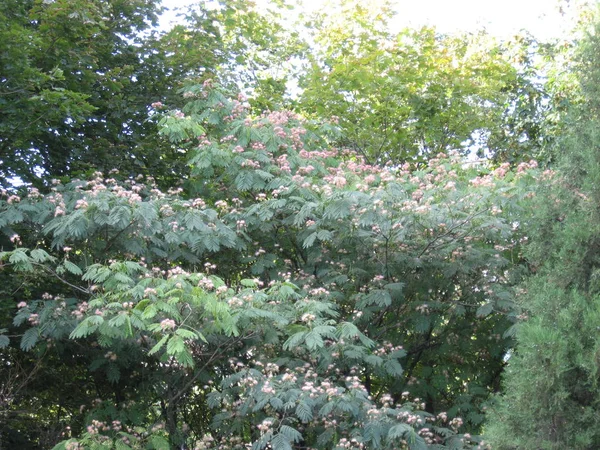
(407, 95)
(70, 94)
(77, 79)
(550, 392)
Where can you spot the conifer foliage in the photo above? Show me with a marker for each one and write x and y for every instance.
(550, 395)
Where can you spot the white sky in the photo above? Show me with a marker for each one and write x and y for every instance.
(501, 18)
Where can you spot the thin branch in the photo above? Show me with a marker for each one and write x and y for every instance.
(115, 237)
(218, 350)
(17, 91)
(451, 231)
(54, 274)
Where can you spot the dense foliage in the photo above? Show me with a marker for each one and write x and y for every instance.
(74, 88)
(77, 79)
(214, 239)
(558, 407)
(292, 266)
(409, 95)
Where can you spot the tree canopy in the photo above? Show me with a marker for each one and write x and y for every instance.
(409, 95)
(253, 232)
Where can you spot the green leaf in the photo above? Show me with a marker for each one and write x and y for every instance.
(485, 310)
(159, 443)
(21, 261)
(393, 367)
(280, 442)
(276, 403)
(294, 340)
(186, 334)
(29, 339)
(120, 445)
(313, 340)
(73, 268)
(18, 256)
(304, 412)
(63, 445)
(175, 345)
(40, 255)
(248, 283)
(158, 345)
(374, 360)
(118, 320)
(185, 358)
(398, 431)
(142, 304)
(113, 373)
(86, 327)
(149, 312)
(310, 240)
(422, 324)
(347, 330)
(290, 433)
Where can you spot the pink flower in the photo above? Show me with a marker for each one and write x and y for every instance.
(81, 204)
(167, 324)
(339, 181)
